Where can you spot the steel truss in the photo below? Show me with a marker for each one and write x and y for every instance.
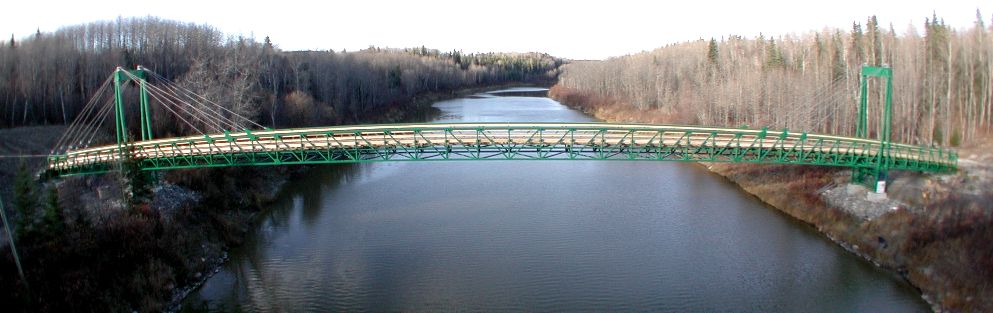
(505, 141)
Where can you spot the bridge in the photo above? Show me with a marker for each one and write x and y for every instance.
(870, 159)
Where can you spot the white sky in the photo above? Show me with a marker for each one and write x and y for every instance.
(571, 29)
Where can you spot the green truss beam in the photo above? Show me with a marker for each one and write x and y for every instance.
(506, 141)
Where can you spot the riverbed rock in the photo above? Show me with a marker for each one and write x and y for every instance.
(859, 201)
(170, 197)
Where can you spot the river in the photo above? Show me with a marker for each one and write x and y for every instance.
(536, 236)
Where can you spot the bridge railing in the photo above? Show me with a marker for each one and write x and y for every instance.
(508, 141)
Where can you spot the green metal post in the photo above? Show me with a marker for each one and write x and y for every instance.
(122, 131)
(141, 112)
(887, 126)
(146, 121)
(888, 111)
(861, 130)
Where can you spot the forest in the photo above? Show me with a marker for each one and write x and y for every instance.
(942, 89)
(47, 78)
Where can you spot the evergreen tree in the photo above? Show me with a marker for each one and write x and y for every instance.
(818, 46)
(395, 79)
(875, 41)
(52, 216)
(937, 70)
(267, 45)
(979, 21)
(713, 54)
(774, 56)
(459, 59)
(136, 182)
(857, 56)
(838, 69)
(25, 201)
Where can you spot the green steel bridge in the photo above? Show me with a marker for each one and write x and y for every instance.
(217, 145)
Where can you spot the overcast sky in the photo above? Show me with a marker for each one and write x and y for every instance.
(571, 29)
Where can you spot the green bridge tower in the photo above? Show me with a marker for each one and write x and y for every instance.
(121, 77)
(875, 177)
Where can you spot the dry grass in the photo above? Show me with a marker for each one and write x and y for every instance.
(614, 110)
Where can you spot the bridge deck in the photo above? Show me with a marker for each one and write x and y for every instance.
(483, 141)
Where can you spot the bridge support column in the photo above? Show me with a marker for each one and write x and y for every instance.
(146, 121)
(881, 182)
(875, 178)
(121, 128)
(122, 76)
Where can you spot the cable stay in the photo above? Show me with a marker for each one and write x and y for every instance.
(196, 113)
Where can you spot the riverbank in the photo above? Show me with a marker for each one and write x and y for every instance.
(936, 237)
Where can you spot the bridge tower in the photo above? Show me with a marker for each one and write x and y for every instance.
(875, 177)
(122, 76)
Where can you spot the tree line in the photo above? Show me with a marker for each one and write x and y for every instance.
(942, 86)
(48, 77)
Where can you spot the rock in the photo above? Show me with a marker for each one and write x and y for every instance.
(859, 202)
(853, 189)
(876, 197)
(169, 198)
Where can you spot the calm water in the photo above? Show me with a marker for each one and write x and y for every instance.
(537, 236)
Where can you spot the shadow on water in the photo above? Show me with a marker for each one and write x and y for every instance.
(422, 114)
(306, 194)
(537, 94)
(533, 92)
